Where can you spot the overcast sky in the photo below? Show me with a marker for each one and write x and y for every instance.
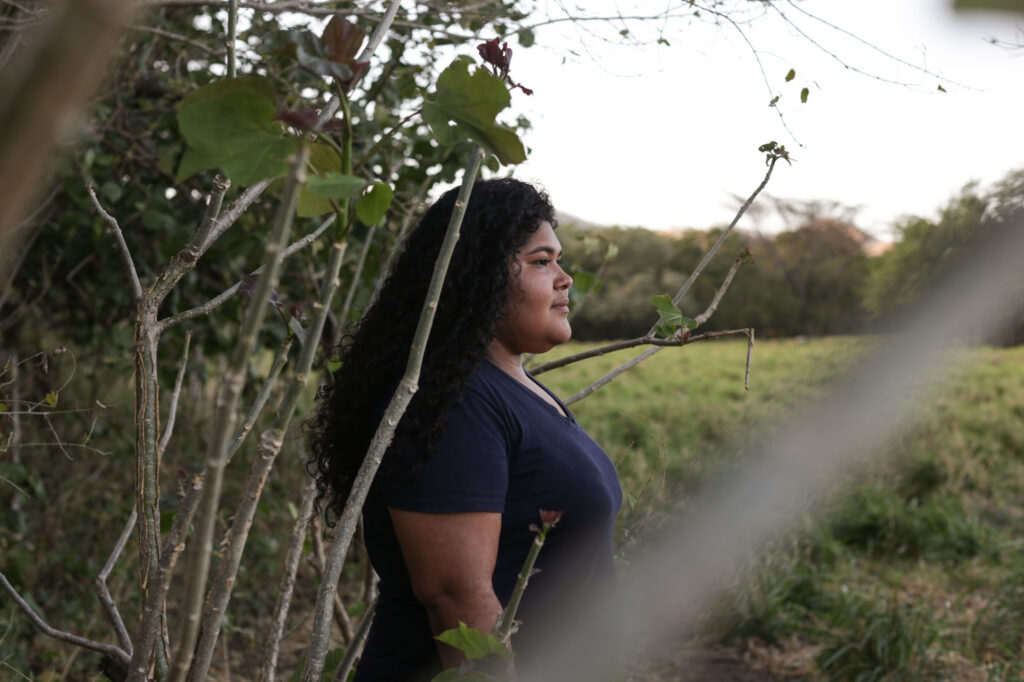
(661, 136)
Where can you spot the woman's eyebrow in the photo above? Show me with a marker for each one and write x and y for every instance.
(545, 249)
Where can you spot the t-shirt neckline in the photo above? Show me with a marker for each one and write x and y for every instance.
(566, 418)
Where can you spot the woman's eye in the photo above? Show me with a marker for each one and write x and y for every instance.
(542, 261)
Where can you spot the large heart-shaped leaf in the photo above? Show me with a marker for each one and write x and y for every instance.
(230, 124)
(465, 105)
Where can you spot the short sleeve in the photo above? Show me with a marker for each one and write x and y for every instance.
(468, 471)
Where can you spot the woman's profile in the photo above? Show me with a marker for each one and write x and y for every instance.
(482, 447)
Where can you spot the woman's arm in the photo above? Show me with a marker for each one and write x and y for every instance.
(451, 558)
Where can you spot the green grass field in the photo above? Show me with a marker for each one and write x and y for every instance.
(912, 571)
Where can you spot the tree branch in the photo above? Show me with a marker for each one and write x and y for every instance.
(346, 527)
(772, 158)
(116, 229)
(261, 398)
(226, 417)
(356, 645)
(221, 298)
(189, 488)
(631, 343)
(319, 561)
(270, 446)
(110, 650)
(286, 588)
(101, 584)
(172, 409)
(353, 284)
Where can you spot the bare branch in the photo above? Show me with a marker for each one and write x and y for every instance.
(383, 26)
(116, 229)
(226, 416)
(175, 36)
(270, 446)
(632, 343)
(226, 295)
(750, 353)
(189, 488)
(172, 409)
(261, 398)
(346, 526)
(356, 647)
(101, 583)
(357, 273)
(319, 561)
(773, 158)
(286, 588)
(110, 650)
(233, 212)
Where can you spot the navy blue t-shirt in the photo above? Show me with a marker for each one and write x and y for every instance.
(502, 449)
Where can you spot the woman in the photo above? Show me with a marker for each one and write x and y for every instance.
(482, 447)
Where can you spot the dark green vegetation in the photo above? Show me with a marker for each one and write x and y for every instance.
(911, 571)
(816, 278)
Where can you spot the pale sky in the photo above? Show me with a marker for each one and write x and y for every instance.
(661, 136)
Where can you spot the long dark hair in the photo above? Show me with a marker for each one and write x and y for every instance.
(500, 217)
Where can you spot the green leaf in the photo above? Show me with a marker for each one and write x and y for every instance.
(322, 160)
(465, 105)
(336, 186)
(230, 125)
(671, 317)
(475, 644)
(333, 365)
(526, 37)
(803, 95)
(3, 408)
(941, 89)
(374, 205)
(791, 75)
(51, 399)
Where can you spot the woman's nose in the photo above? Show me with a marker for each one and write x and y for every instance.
(565, 281)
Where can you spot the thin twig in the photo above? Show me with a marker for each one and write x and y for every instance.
(632, 343)
(772, 159)
(226, 295)
(319, 560)
(175, 36)
(357, 274)
(750, 353)
(101, 583)
(172, 409)
(110, 650)
(125, 253)
(286, 588)
(232, 34)
(356, 647)
(261, 398)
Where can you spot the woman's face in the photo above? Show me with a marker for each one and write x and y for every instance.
(536, 317)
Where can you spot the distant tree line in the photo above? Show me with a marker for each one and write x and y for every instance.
(824, 276)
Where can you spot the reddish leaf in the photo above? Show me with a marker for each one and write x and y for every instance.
(343, 40)
(550, 517)
(498, 56)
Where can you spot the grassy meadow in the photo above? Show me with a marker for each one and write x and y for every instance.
(913, 570)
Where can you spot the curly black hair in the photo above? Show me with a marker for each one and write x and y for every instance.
(500, 217)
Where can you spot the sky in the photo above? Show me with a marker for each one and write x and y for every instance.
(664, 136)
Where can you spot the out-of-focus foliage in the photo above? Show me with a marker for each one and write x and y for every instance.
(926, 249)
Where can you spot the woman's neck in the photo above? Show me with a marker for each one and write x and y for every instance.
(507, 361)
